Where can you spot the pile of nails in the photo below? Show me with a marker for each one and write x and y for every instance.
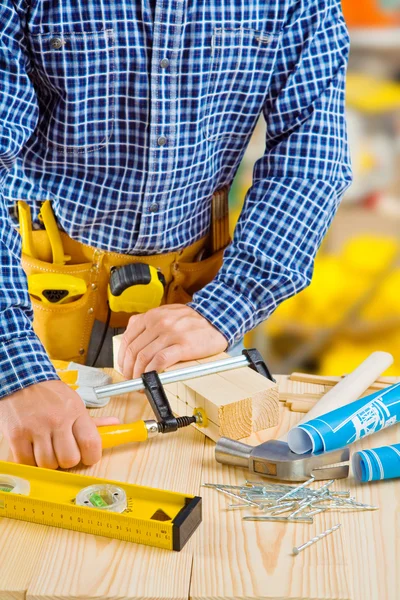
(286, 502)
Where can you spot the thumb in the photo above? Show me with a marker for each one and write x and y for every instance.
(100, 421)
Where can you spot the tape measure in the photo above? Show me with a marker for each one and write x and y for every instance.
(135, 288)
(112, 509)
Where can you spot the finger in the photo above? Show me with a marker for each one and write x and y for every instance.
(148, 352)
(100, 421)
(136, 326)
(166, 358)
(135, 349)
(22, 451)
(44, 452)
(88, 439)
(65, 447)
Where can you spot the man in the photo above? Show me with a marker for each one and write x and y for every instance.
(129, 116)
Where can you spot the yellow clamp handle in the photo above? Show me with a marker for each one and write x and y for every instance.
(116, 435)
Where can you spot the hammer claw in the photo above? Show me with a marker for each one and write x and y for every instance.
(338, 472)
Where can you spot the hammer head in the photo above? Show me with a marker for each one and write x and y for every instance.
(273, 459)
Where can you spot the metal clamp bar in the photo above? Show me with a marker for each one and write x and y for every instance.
(135, 385)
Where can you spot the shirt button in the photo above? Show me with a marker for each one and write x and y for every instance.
(56, 43)
(164, 63)
(162, 140)
(153, 207)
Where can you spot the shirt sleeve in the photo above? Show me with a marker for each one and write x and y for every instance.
(23, 360)
(299, 181)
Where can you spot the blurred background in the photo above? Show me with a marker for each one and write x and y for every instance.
(352, 306)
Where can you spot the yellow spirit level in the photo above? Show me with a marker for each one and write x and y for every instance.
(76, 502)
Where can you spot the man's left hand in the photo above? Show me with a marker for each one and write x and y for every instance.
(164, 336)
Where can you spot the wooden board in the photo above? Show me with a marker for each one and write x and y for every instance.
(380, 383)
(38, 562)
(237, 403)
(254, 560)
(300, 391)
(227, 558)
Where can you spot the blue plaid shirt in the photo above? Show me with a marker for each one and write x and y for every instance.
(129, 114)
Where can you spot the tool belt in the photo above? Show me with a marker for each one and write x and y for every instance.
(65, 329)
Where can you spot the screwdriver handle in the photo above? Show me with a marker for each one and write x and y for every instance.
(116, 435)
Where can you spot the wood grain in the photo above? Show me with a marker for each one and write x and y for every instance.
(253, 560)
(48, 563)
(237, 559)
(226, 558)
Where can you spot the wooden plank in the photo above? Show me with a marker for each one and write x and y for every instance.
(71, 565)
(236, 559)
(380, 383)
(289, 396)
(299, 406)
(253, 560)
(296, 394)
(372, 539)
(236, 402)
(17, 565)
(230, 558)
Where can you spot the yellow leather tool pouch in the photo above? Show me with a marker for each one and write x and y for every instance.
(64, 329)
(189, 277)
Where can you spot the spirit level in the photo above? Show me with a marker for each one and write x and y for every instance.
(60, 499)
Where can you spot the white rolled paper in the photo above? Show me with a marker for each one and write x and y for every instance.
(349, 388)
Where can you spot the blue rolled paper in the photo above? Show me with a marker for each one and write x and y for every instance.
(347, 424)
(377, 463)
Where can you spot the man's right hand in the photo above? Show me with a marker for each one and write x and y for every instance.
(47, 424)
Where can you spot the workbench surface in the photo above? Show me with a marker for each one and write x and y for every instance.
(226, 557)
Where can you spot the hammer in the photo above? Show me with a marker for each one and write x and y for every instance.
(274, 459)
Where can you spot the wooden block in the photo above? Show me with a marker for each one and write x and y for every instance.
(316, 379)
(237, 403)
(299, 406)
(288, 396)
(380, 384)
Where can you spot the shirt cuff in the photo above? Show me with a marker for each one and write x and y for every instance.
(23, 362)
(227, 310)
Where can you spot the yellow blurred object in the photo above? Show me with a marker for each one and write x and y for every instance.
(366, 162)
(386, 301)
(338, 284)
(368, 254)
(372, 95)
(344, 355)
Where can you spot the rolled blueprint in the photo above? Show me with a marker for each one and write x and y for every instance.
(377, 463)
(347, 424)
(350, 387)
